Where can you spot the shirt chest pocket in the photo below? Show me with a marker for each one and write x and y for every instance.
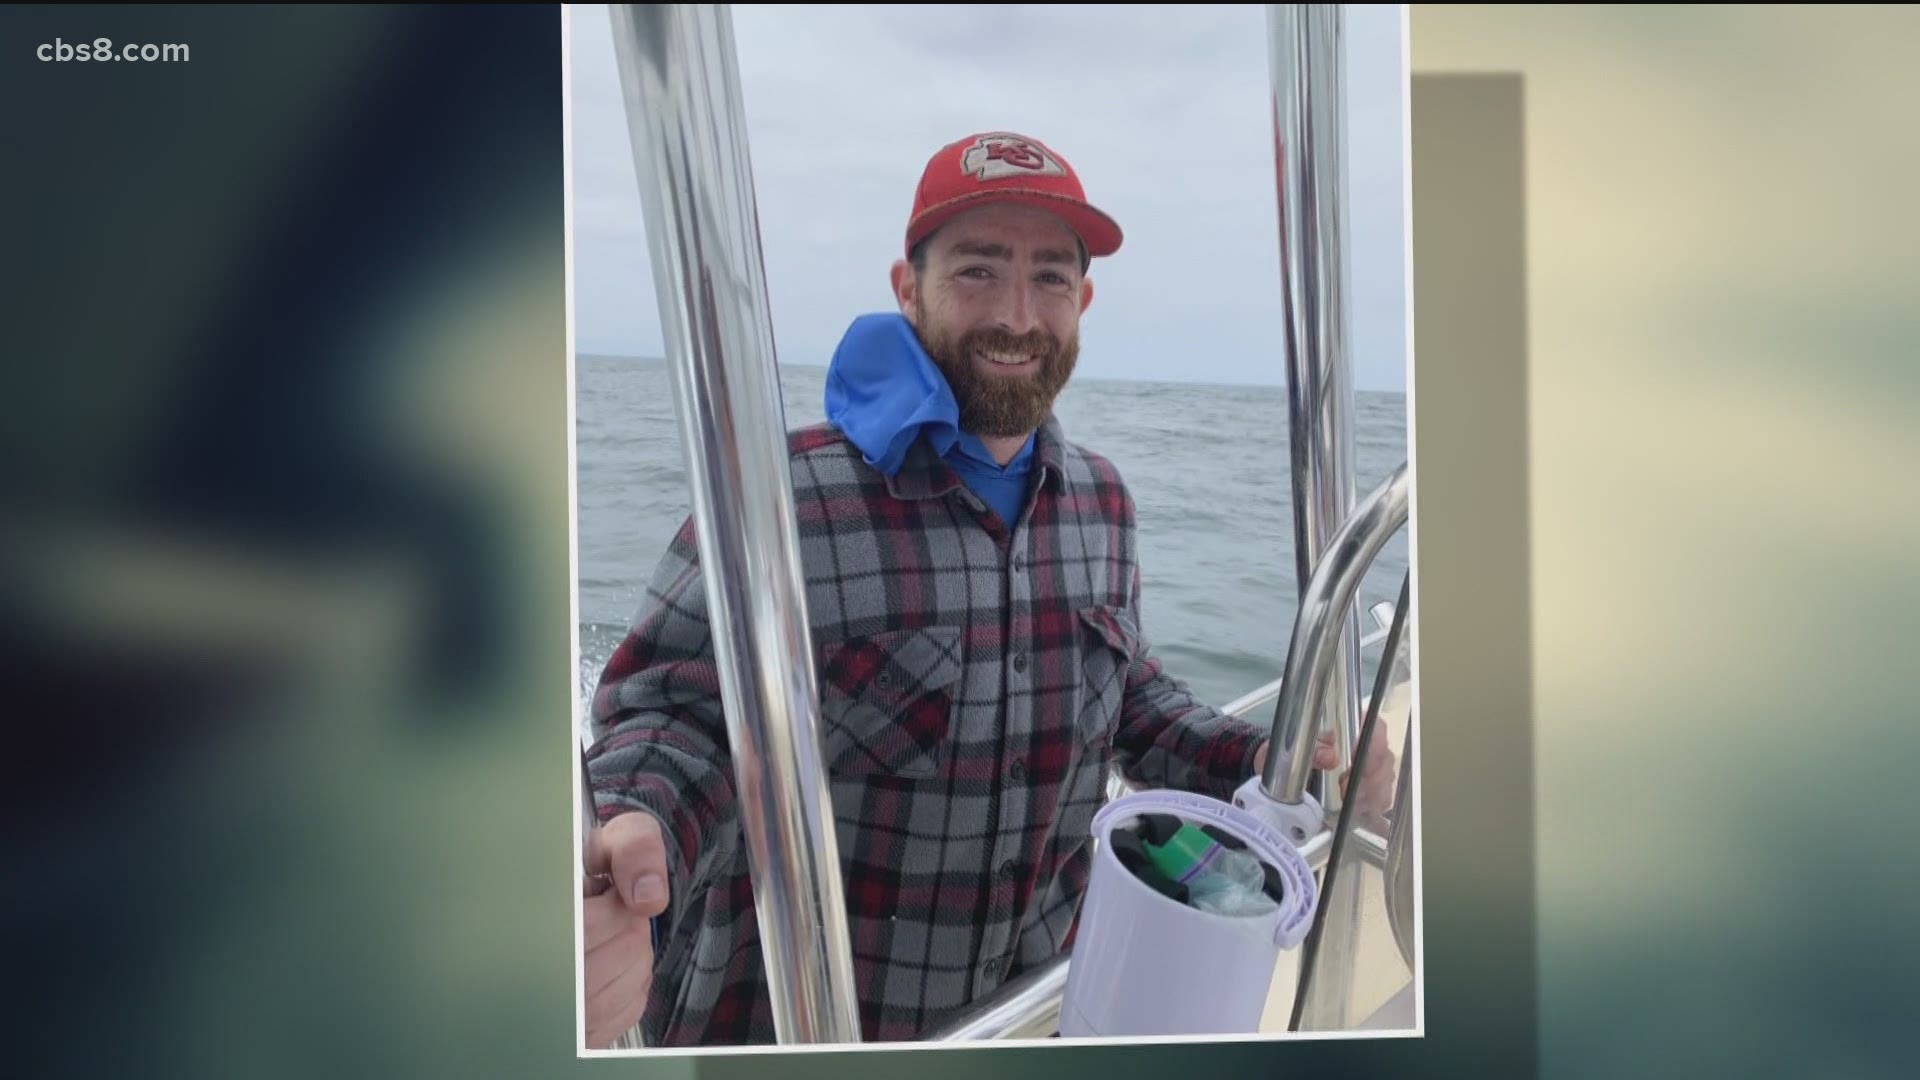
(886, 701)
(1108, 643)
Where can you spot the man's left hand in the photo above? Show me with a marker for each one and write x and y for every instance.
(1376, 785)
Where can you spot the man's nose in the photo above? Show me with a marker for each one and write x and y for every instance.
(1019, 314)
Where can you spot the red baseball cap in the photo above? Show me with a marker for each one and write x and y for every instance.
(1001, 167)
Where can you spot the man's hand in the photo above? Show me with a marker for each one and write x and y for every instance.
(630, 852)
(1376, 786)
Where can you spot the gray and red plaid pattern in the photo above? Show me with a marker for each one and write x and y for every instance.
(977, 683)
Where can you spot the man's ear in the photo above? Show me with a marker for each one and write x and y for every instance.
(906, 287)
(1086, 294)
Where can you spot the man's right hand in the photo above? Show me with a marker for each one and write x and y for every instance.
(630, 851)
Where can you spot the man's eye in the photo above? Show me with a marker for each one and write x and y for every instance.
(976, 271)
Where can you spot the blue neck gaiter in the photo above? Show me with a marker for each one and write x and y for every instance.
(884, 391)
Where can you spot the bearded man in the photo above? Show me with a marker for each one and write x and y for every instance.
(973, 592)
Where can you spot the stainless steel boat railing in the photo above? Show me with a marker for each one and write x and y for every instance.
(1306, 69)
(689, 133)
(1314, 653)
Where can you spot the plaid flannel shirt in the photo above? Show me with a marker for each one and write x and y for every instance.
(977, 685)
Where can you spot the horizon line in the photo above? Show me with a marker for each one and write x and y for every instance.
(1105, 378)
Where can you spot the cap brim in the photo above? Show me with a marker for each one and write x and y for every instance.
(1099, 232)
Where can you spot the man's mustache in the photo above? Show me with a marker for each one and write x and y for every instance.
(1037, 343)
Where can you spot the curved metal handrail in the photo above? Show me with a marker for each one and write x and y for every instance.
(1026, 1008)
(1317, 627)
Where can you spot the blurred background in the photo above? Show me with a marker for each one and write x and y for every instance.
(285, 550)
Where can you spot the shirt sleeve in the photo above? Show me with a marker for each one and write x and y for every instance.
(1166, 737)
(1170, 739)
(659, 736)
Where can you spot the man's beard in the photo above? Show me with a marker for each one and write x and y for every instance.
(1000, 405)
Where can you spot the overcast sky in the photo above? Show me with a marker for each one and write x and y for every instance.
(1163, 111)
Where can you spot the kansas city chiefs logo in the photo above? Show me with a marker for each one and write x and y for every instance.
(996, 157)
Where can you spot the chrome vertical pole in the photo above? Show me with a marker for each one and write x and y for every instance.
(1309, 111)
(1309, 116)
(684, 110)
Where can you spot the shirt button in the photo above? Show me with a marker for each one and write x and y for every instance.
(1018, 771)
(1020, 662)
(993, 966)
(1006, 869)
(1019, 562)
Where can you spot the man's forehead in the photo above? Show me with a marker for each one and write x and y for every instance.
(1021, 227)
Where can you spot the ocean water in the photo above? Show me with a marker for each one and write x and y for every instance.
(1207, 466)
